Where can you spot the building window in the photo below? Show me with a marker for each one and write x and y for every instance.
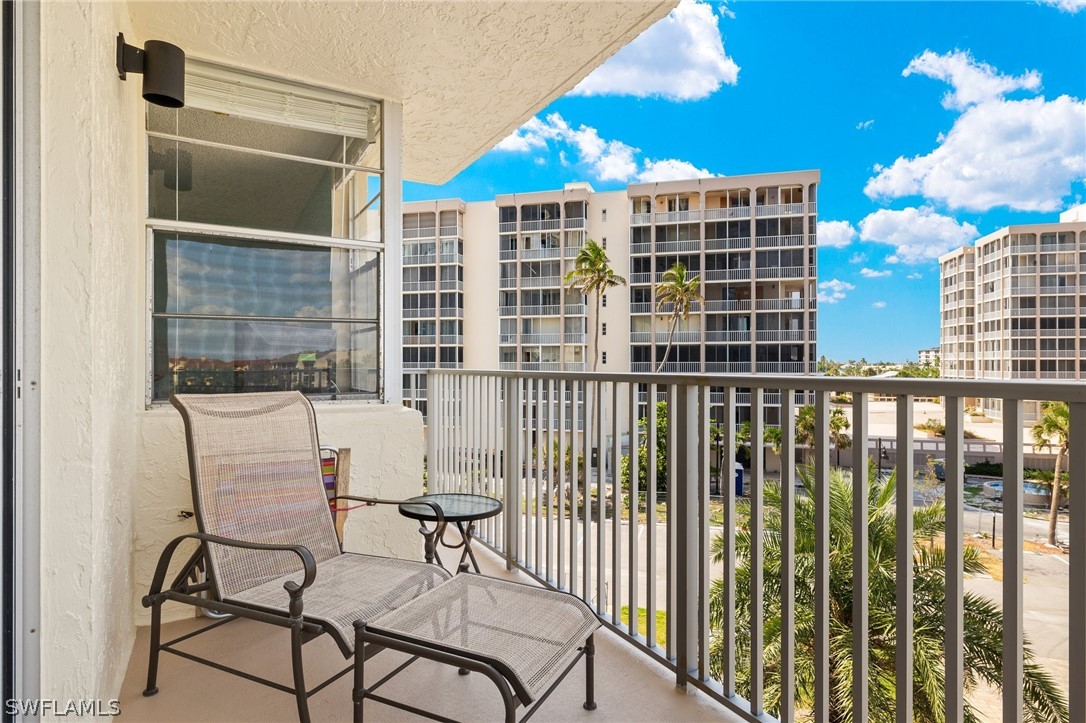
(604, 217)
(603, 357)
(605, 242)
(603, 329)
(265, 239)
(603, 300)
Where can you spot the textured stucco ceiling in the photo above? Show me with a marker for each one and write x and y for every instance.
(467, 73)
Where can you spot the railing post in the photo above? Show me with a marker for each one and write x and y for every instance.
(686, 558)
(954, 624)
(1013, 670)
(903, 660)
(431, 434)
(511, 461)
(1076, 489)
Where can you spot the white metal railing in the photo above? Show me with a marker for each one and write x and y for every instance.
(531, 282)
(452, 311)
(640, 219)
(779, 304)
(550, 338)
(454, 258)
(550, 224)
(575, 338)
(715, 214)
(678, 246)
(547, 253)
(726, 274)
(727, 244)
(507, 254)
(570, 251)
(452, 285)
(419, 338)
(419, 259)
(727, 367)
(777, 241)
(576, 309)
(412, 233)
(780, 335)
(568, 523)
(677, 216)
(418, 286)
(679, 337)
(640, 337)
(423, 313)
(641, 278)
(452, 230)
(781, 272)
(728, 305)
(507, 282)
(416, 364)
(779, 209)
(545, 310)
(452, 339)
(727, 336)
(640, 248)
(507, 227)
(575, 223)
(641, 307)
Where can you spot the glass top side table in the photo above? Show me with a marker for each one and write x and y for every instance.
(462, 509)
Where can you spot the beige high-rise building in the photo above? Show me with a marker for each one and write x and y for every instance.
(750, 239)
(1013, 306)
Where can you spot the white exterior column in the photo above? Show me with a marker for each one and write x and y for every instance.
(392, 234)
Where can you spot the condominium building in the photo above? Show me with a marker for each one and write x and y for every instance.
(928, 356)
(749, 239)
(1013, 306)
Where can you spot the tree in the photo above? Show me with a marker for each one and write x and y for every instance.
(592, 275)
(982, 621)
(1053, 429)
(682, 293)
(806, 432)
(643, 453)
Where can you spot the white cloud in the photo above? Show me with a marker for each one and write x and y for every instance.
(915, 275)
(1067, 6)
(879, 305)
(679, 58)
(832, 291)
(917, 234)
(857, 258)
(864, 125)
(874, 274)
(835, 234)
(1023, 154)
(607, 160)
(670, 169)
(971, 81)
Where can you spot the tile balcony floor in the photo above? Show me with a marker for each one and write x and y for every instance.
(629, 687)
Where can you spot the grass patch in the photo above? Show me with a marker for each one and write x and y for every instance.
(642, 623)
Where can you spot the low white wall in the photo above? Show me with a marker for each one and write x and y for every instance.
(387, 449)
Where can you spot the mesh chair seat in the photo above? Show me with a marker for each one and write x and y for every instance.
(350, 587)
(534, 633)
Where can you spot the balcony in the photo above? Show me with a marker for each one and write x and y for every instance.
(764, 242)
(547, 253)
(653, 551)
(727, 244)
(641, 307)
(727, 337)
(550, 224)
(639, 249)
(576, 310)
(452, 285)
(544, 310)
(451, 231)
(415, 339)
(779, 304)
(574, 223)
(677, 217)
(507, 227)
(570, 251)
(418, 286)
(728, 305)
(780, 335)
(554, 338)
(424, 313)
(454, 258)
(671, 247)
(419, 259)
(535, 282)
(780, 209)
(716, 214)
(413, 233)
(640, 219)
(452, 312)
(726, 274)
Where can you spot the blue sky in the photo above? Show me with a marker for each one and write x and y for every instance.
(932, 124)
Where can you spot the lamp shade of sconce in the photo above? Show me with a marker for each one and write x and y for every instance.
(163, 67)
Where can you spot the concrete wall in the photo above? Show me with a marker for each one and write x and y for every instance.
(91, 243)
(387, 449)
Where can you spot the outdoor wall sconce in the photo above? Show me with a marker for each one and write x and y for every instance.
(163, 67)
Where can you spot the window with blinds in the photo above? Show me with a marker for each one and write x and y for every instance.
(264, 211)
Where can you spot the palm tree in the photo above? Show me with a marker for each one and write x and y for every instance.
(983, 618)
(682, 293)
(592, 274)
(1054, 429)
(839, 425)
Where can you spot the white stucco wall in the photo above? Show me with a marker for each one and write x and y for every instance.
(387, 448)
(90, 241)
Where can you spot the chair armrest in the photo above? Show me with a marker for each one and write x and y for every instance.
(308, 563)
(371, 501)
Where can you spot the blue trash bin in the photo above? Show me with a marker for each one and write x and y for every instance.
(738, 480)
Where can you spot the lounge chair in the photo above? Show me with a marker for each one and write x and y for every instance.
(268, 548)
